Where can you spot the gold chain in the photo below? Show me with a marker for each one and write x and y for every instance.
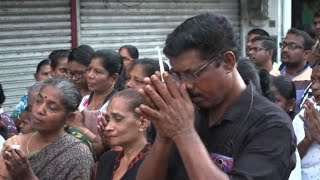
(30, 140)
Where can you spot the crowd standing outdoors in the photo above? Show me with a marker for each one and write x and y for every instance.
(107, 114)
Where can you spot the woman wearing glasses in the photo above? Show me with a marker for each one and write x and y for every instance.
(128, 54)
(78, 61)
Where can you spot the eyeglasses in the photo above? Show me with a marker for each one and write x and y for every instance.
(290, 46)
(256, 49)
(77, 74)
(193, 76)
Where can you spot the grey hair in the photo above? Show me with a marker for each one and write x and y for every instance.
(70, 93)
(35, 88)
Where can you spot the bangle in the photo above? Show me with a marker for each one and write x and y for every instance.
(19, 117)
(84, 133)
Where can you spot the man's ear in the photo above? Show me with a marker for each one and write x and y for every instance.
(229, 61)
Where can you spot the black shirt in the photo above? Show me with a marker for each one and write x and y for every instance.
(255, 133)
(110, 162)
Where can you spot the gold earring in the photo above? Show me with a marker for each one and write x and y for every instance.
(141, 129)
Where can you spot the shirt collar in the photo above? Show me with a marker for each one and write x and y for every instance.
(241, 107)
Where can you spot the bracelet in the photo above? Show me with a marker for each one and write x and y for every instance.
(19, 117)
(84, 133)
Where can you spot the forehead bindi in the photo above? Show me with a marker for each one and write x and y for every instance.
(50, 93)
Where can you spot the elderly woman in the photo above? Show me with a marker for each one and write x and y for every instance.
(125, 128)
(49, 153)
(43, 72)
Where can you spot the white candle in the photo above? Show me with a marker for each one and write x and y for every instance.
(160, 64)
(16, 146)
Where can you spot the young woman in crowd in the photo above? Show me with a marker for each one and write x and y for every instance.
(125, 128)
(59, 63)
(78, 62)
(7, 124)
(128, 54)
(43, 72)
(306, 125)
(284, 93)
(49, 153)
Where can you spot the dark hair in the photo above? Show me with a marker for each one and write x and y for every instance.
(81, 54)
(307, 40)
(150, 66)
(132, 50)
(2, 96)
(268, 43)
(248, 71)
(133, 98)
(315, 64)
(308, 28)
(286, 88)
(42, 63)
(265, 81)
(316, 14)
(113, 63)
(211, 34)
(69, 92)
(4, 131)
(57, 55)
(259, 31)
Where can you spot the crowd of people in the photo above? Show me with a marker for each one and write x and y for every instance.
(108, 115)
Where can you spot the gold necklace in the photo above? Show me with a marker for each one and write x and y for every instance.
(30, 140)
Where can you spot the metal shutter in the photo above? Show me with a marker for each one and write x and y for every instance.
(109, 24)
(29, 31)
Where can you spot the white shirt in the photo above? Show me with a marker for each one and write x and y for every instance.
(85, 102)
(1, 142)
(310, 163)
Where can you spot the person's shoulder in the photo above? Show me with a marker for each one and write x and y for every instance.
(78, 148)
(269, 112)
(109, 155)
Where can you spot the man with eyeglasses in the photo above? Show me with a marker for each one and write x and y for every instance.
(252, 34)
(263, 52)
(210, 123)
(295, 50)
